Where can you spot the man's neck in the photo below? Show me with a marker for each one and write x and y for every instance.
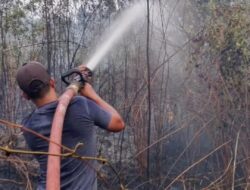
(50, 97)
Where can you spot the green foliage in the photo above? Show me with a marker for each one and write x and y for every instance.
(228, 41)
(221, 58)
(229, 36)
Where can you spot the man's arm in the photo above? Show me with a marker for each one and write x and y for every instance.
(116, 123)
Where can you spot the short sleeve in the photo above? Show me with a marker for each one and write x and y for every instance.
(100, 116)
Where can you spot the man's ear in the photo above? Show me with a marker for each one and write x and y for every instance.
(52, 83)
(25, 96)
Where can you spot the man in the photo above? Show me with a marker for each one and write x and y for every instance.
(84, 113)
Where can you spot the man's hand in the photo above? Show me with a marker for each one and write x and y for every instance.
(87, 74)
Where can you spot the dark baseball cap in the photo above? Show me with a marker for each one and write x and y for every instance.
(32, 76)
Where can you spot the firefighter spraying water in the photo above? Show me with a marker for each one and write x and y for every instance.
(70, 118)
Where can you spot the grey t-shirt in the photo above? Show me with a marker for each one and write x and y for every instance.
(82, 117)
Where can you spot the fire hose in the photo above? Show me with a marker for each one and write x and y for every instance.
(75, 80)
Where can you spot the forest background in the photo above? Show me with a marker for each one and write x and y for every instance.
(180, 78)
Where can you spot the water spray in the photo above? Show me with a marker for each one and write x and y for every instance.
(116, 5)
(118, 28)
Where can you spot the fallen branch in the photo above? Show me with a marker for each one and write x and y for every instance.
(11, 181)
(72, 154)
